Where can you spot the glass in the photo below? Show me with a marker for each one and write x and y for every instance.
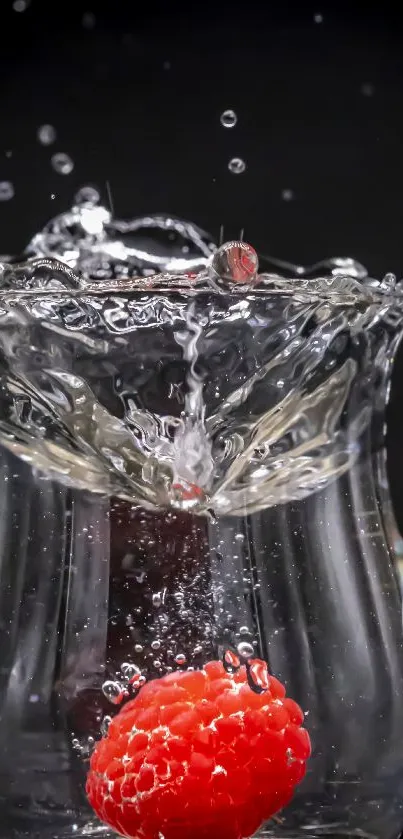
(193, 467)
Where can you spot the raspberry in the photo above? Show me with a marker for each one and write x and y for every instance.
(199, 754)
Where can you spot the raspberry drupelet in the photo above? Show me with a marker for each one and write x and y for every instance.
(199, 754)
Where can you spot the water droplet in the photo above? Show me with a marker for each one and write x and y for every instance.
(157, 599)
(52, 197)
(318, 18)
(244, 630)
(88, 20)
(75, 743)
(114, 692)
(245, 650)
(237, 165)
(87, 195)
(6, 190)
(130, 672)
(138, 648)
(235, 262)
(46, 135)
(239, 537)
(180, 659)
(105, 725)
(287, 195)
(231, 661)
(91, 742)
(157, 663)
(367, 89)
(21, 5)
(258, 675)
(155, 645)
(228, 119)
(62, 163)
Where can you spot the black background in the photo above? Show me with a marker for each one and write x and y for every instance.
(136, 100)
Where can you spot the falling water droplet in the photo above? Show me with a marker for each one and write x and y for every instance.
(180, 659)
(228, 119)
(114, 692)
(46, 135)
(235, 262)
(258, 675)
(105, 725)
(231, 661)
(245, 650)
(237, 165)
(287, 195)
(62, 163)
(87, 195)
(6, 190)
(88, 20)
(20, 5)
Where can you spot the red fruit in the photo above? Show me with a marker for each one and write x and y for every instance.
(199, 754)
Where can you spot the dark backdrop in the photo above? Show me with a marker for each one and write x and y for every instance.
(135, 92)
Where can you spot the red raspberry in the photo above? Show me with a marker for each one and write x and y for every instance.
(199, 754)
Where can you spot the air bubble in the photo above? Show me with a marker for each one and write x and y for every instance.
(129, 671)
(113, 692)
(245, 650)
(228, 119)
(62, 163)
(105, 725)
(180, 659)
(157, 663)
(91, 742)
(237, 165)
(6, 190)
(138, 648)
(318, 18)
(244, 630)
(46, 135)
(157, 599)
(239, 537)
(155, 645)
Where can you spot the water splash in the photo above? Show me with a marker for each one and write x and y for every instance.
(186, 388)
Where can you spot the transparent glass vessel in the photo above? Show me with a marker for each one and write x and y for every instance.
(189, 464)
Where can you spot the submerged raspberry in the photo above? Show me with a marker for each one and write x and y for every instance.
(199, 754)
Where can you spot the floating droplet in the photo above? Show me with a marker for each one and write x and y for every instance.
(235, 262)
(231, 661)
(155, 645)
(258, 675)
(105, 725)
(87, 195)
(287, 195)
(6, 190)
(237, 165)
(46, 135)
(180, 659)
(114, 692)
(62, 163)
(228, 119)
(245, 650)
(318, 18)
